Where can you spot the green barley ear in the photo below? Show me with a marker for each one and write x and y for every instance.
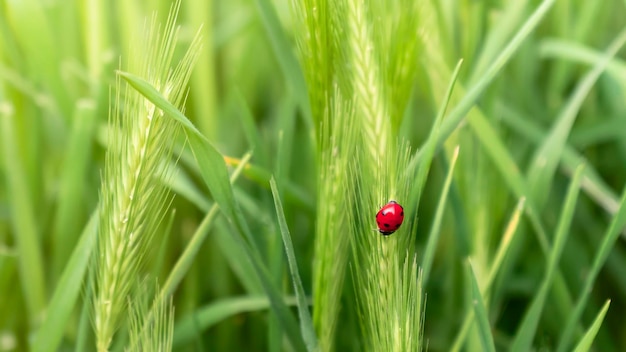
(360, 61)
(387, 284)
(133, 201)
(337, 142)
(315, 22)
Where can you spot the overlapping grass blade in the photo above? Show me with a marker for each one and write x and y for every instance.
(205, 317)
(503, 160)
(206, 155)
(251, 131)
(555, 48)
(132, 205)
(181, 183)
(231, 249)
(306, 323)
(473, 93)
(592, 184)
(158, 266)
(67, 292)
(72, 185)
(507, 239)
(480, 311)
(188, 256)
(24, 222)
(435, 230)
(431, 144)
(215, 175)
(547, 156)
(585, 343)
(284, 54)
(512, 14)
(527, 329)
(293, 193)
(608, 242)
(200, 14)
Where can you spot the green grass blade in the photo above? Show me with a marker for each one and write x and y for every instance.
(546, 159)
(306, 323)
(473, 93)
(285, 149)
(526, 332)
(608, 242)
(184, 262)
(496, 150)
(233, 252)
(435, 230)
(604, 131)
(294, 194)
(555, 48)
(206, 155)
(511, 15)
(73, 182)
(280, 309)
(507, 239)
(85, 335)
(431, 143)
(287, 60)
(284, 131)
(503, 160)
(23, 222)
(159, 268)
(206, 317)
(215, 175)
(68, 289)
(592, 184)
(484, 329)
(182, 184)
(200, 15)
(251, 131)
(585, 343)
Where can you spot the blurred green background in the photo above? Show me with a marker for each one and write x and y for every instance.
(58, 61)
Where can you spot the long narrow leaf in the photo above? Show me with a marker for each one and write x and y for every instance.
(608, 242)
(507, 239)
(547, 157)
(435, 230)
(484, 329)
(68, 289)
(287, 60)
(458, 113)
(215, 175)
(585, 343)
(23, 222)
(431, 143)
(592, 184)
(189, 255)
(206, 317)
(526, 332)
(306, 323)
(72, 185)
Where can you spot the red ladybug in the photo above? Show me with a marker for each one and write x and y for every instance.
(389, 218)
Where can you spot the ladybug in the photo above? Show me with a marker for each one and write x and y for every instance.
(389, 218)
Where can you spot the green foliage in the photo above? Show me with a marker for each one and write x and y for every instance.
(254, 228)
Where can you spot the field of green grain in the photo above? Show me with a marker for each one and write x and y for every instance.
(205, 175)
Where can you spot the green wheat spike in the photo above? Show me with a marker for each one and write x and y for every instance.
(133, 200)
